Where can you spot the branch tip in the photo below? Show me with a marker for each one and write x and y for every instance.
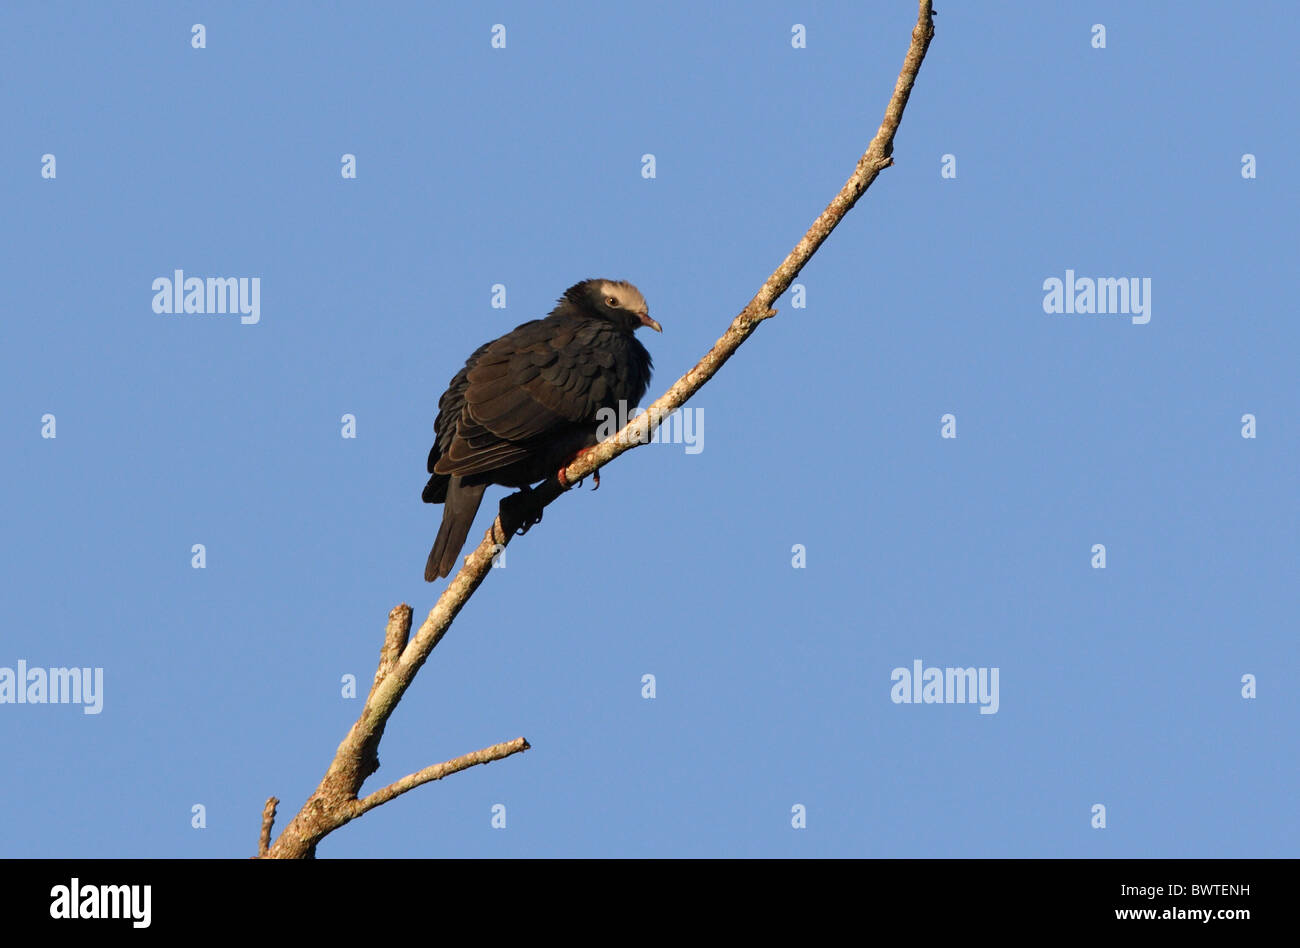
(437, 772)
(268, 820)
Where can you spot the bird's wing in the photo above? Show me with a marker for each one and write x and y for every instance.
(450, 407)
(535, 380)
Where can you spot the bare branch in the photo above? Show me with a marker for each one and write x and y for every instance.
(438, 771)
(395, 637)
(335, 801)
(268, 820)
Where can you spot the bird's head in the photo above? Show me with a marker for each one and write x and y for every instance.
(615, 300)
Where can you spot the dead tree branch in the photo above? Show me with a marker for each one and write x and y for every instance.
(335, 801)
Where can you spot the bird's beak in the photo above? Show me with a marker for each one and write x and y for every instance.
(647, 321)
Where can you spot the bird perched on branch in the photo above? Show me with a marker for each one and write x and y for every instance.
(525, 405)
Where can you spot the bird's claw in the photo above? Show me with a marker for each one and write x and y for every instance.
(523, 508)
(564, 481)
(528, 525)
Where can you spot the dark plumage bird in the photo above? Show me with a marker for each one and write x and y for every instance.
(526, 404)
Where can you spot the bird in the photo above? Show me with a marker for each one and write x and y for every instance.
(527, 403)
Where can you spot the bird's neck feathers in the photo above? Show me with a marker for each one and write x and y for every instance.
(570, 309)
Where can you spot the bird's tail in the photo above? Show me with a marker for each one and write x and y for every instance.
(458, 512)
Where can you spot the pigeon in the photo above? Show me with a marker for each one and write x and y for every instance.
(526, 404)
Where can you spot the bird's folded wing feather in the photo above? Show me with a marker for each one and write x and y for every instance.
(521, 387)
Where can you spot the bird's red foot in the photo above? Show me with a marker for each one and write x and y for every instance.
(564, 481)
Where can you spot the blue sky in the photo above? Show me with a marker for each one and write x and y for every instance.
(522, 166)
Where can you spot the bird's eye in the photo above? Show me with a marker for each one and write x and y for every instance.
(610, 301)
